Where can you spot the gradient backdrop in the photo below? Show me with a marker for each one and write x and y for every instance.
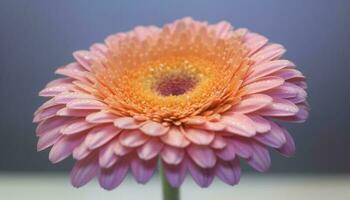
(38, 36)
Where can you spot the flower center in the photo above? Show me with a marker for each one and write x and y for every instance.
(175, 85)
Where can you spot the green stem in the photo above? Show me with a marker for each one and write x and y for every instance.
(169, 192)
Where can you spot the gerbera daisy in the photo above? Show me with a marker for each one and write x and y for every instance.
(197, 97)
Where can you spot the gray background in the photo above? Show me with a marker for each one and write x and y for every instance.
(38, 36)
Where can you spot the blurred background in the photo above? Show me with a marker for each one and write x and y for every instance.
(36, 37)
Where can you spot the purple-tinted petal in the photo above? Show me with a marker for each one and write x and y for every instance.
(229, 172)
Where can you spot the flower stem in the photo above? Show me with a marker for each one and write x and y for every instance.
(169, 192)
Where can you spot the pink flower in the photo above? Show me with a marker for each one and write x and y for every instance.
(200, 98)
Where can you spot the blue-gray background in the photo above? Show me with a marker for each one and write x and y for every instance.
(38, 36)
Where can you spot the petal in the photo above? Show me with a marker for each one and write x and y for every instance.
(263, 84)
(46, 113)
(48, 139)
(268, 52)
(239, 124)
(154, 129)
(280, 108)
(288, 149)
(228, 153)
(242, 148)
(52, 123)
(132, 138)
(260, 159)
(202, 176)
(85, 104)
(55, 90)
(143, 170)
(254, 42)
(175, 174)
(251, 103)
(150, 149)
(229, 172)
(264, 69)
(274, 138)
(65, 112)
(100, 117)
(98, 136)
(172, 155)
(113, 177)
(83, 171)
(84, 58)
(77, 126)
(219, 142)
(198, 136)
(260, 124)
(81, 151)
(175, 138)
(203, 156)
(126, 123)
(63, 148)
(107, 157)
(119, 149)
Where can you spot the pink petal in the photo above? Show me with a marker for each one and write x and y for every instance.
(100, 117)
(126, 123)
(81, 151)
(175, 174)
(227, 153)
(239, 124)
(263, 84)
(55, 123)
(154, 129)
(47, 113)
(84, 58)
(198, 136)
(63, 148)
(242, 148)
(67, 97)
(280, 108)
(119, 149)
(287, 74)
(254, 42)
(143, 170)
(77, 126)
(132, 138)
(85, 104)
(55, 90)
(203, 156)
(300, 117)
(268, 52)
(260, 159)
(268, 68)
(274, 138)
(175, 138)
(251, 103)
(59, 81)
(287, 90)
(49, 138)
(229, 172)
(65, 112)
(113, 177)
(99, 136)
(219, 142)
(83, 171)
(72, 72)
(212, 126)
(172, 155)
(260, 124)
(202, 176)
(150, 149)
(288, 149)
(107, 158)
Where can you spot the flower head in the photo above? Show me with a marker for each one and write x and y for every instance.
(197, 97)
